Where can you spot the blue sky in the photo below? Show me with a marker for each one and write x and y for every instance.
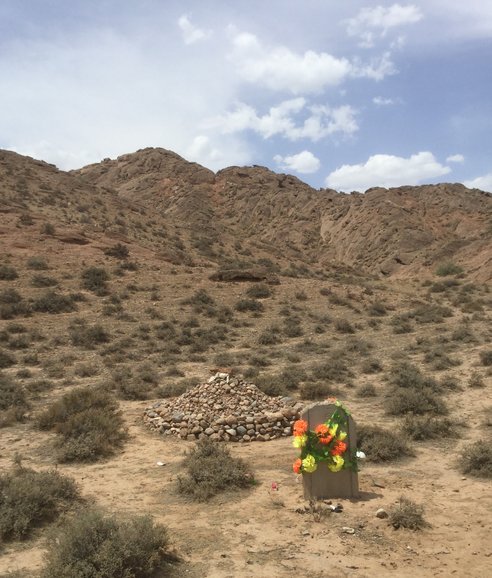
(346, 95)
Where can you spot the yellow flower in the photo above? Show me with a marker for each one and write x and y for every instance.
(337, 465)
(342, 435)
(309, 464)
(299, 441)
(333, 429)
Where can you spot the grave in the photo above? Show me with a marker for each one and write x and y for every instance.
(328, 429)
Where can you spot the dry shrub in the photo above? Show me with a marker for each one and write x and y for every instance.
(381, 445)
(28, 498)
(407, 514)
(93, 545)
(313, 390)
(88, 424)
(476, 459)
(211, 469)
(425, 427)
(13, 402)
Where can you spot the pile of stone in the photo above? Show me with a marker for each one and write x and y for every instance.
(225, 409)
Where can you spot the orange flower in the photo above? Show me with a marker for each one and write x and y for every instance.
(300, 427)
(339, 448)
(296, 466)
(321, 430)
(323, 433)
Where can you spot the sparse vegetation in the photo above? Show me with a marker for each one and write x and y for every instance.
(381, 445)
(95, 279)
(211, 469)
(449, 268)
(96, 545)
(7, 272)
(407, 514)
(476, 459)
(88, 424)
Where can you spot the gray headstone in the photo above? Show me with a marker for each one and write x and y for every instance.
(324, 484)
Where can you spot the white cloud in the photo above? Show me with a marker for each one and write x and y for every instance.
(280, 68)
(455, 159)
(374, 22)
(376, 69)
(317, 122)
(217, 153)
(191, 33)
(382, 101)
(483, 183)
(304, 162)
(386, 171)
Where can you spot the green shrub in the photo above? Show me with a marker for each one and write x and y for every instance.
(407, 514)
(28, 498)
(449, 268)
(95, 279)
(7, 273)
(370, 366)
(211, 469)
(381, 445)
(52, 302)
(88, 424)
(93, 545)
(425, 427)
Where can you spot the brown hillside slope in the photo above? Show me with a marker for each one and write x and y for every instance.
(399, 231)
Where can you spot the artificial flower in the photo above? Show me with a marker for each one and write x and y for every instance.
(296, 466)
(333, 429)
(342, 435)
(337, 464)
(338, 448)
(309, 464)
(300, 427)
(299, 441)
(325, 440)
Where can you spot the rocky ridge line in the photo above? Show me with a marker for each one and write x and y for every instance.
(225, 409)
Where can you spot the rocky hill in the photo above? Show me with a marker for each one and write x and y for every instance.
(250, 215)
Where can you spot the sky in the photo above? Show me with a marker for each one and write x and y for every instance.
(344, 94)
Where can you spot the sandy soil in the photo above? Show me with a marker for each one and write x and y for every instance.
(258, 533)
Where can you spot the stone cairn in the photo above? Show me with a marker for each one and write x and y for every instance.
(225, 409)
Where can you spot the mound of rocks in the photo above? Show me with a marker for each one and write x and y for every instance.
(225, 409)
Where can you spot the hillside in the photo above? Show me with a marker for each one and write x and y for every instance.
(133, 279)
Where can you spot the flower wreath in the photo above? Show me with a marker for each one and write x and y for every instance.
(324, 444)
